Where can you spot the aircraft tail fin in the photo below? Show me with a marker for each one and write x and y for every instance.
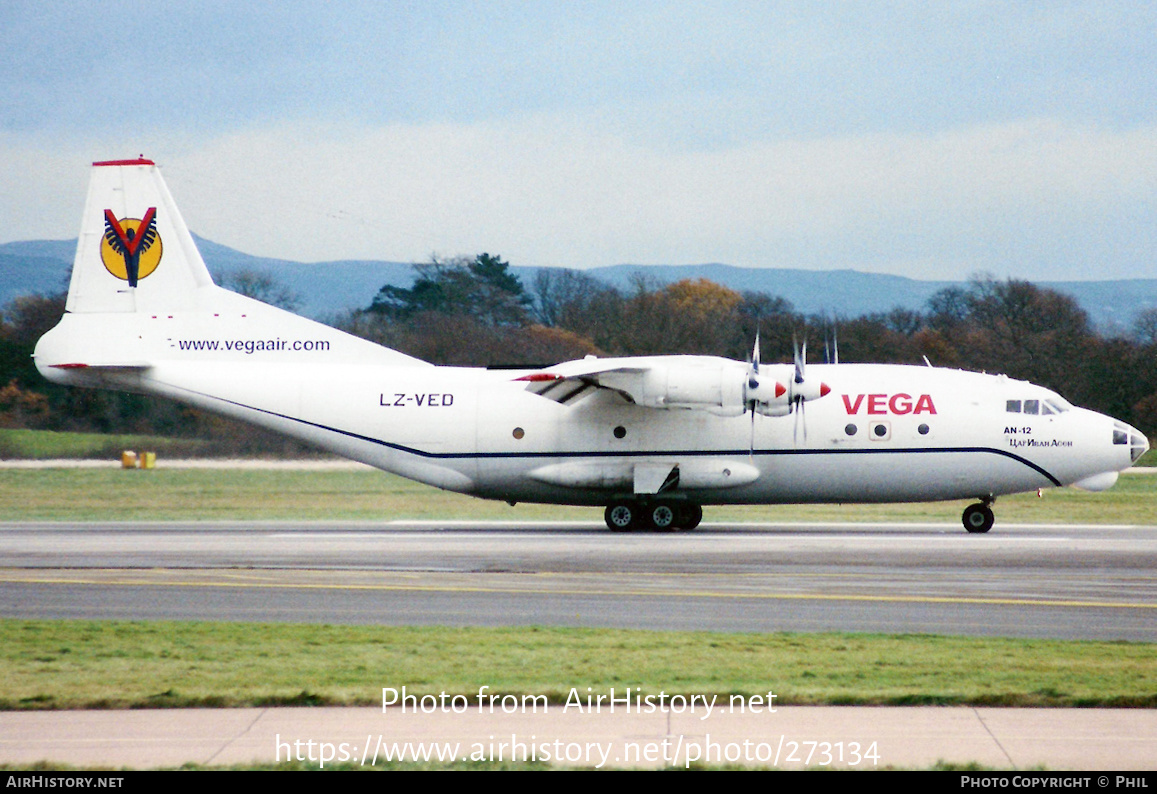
(140, 294)
(135, 252)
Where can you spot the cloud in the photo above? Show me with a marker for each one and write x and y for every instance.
(1037, 199)
(928, 141)
(550, 191)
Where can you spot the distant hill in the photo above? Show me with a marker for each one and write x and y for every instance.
(327, 289)
(846, 293)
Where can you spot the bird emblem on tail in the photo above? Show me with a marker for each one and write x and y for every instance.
(131, 247)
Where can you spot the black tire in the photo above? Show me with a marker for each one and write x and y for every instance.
(621, 516)
(978, 518)
(690, 515)
(662, 517)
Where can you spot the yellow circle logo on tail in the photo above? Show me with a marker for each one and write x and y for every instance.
(131, 247)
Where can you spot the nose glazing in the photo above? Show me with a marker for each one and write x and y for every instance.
(1124, 435)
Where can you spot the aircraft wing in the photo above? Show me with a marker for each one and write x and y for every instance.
(692, 382)
(569, 382)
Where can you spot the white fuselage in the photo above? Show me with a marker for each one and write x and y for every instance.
(658, 435)
(884, 433)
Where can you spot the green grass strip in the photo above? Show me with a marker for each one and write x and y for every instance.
(97, 664)
(71, 494)
(48, 444)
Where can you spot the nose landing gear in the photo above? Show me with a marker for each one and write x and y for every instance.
(978, 518)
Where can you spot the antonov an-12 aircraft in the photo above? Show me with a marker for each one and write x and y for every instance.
(651, 438)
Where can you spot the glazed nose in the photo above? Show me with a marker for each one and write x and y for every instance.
(1123, 434)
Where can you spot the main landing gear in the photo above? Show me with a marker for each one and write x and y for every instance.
(978, 517)
(662, 516)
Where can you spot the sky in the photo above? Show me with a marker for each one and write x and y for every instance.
(928, 140)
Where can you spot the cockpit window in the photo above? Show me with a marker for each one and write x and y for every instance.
(1053, 405)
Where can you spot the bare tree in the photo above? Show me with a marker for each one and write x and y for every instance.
(261, 285)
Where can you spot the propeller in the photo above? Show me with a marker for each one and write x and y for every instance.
(797, 400)
(752, 389)
(765, 395)
(759, 391)
(802, 390)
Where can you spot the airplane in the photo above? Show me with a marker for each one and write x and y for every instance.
(651, 439)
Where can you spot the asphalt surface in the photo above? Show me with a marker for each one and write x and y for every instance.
(1070, 582)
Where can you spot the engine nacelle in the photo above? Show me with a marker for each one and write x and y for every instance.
(704, 383)
(770, 397)
(766, 395)
(714, 386)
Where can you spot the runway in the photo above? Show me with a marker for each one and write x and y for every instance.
(1068, 582)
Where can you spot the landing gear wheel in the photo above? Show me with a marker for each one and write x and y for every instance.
(621, 516)
(689, 516)
(978, 518)
(662, 517)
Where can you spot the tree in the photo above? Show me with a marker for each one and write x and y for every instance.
(557, 295)
(22, 408)
(1145, 326)
(691, 317)
(774, 320)
(482, 288)
(263, 286)
(22, 322)
(1014, 327)
(949, 308)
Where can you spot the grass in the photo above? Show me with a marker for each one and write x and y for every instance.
(47, 445)
(113, 664)
(72, 494)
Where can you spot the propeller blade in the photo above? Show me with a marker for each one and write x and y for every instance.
(832, 343)
(799, 407)
(797, 398)
(795, 422)
(800, 359)
(751, 447)
(753, 384)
